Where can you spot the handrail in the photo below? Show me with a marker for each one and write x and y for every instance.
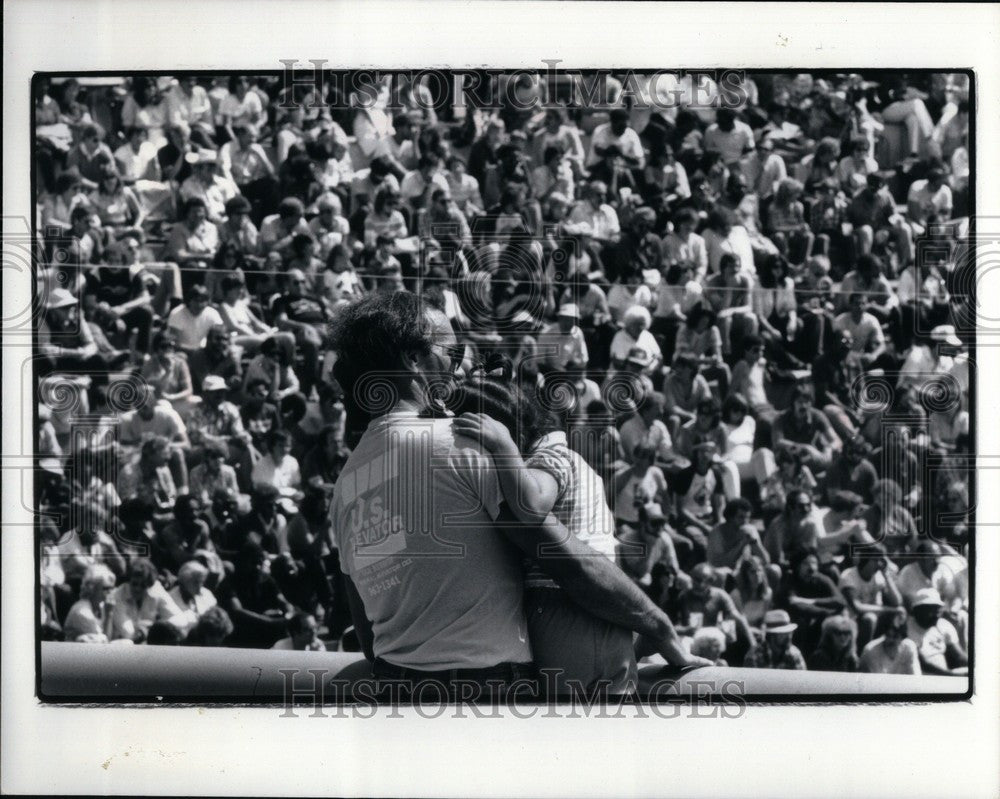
(102, 672)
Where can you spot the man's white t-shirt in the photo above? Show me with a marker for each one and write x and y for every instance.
(413, 514)
(868, 592)
(192, 330)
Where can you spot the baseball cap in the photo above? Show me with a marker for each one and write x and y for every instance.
(569, 309)
(927, 596)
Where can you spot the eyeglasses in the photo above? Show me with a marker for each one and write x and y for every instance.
(455, 353)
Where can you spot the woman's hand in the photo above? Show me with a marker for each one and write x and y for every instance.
(492, 435)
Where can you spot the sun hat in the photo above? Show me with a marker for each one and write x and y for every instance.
(778, 621)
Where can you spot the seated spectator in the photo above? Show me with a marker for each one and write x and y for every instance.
(706, 605)
(253, 600)
(278, 468)
(191, 321)
(684, 389)
(837, 648)
(213, 629)
(184, 537)
(810, 597)
(140, 602)
(646, 426)
(728, 294)
(564, 341)
(191, 595)
(213, 474)
(936, 639)
(870, 591)
(698, 498)
(167, 373)
(709, 643)
(804, 429)
(218, 358)
(302, 635)
(892, 652)
(89, 620)
(776, 651)
(635, 333)
(752, 594)
(734, 540)
(207, 185)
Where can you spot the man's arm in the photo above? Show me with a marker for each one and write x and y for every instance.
(595, 583)
(362, 626)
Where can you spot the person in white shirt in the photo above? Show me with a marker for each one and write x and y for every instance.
(593, 210)
(729, 137)
(617, 132)
(635, 334)
(931, 569)
(191, 321)
(867, 338)
(278, 468)
(190, 594)
(930, 199)
(936, 639)
(870, 591)
(893, 652)
(418, 185)
(562, 342)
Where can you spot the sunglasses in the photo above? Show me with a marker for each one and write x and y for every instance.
(455, 353)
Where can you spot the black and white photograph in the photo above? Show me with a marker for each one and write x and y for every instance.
(536, 389)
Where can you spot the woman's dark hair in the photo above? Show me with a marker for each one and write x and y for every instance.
(293, 409)
(191, 204)
(503, 401)
(735, 402)
(720, 219)
(698, 313)
(163, 633)
(228, 248)
(382, 196)
(734, 506)
(338, 251)
(685, 215)
(145, 568)
(214, 625)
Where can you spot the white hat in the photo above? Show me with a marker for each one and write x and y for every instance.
(201, 157)
(778, 621)
(213, 383)
(927, 596)
(60, 298)
(946, 335)
(569, 309)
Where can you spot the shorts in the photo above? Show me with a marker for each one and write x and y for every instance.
(577, 646)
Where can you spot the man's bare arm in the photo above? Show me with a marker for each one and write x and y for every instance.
(595, 583)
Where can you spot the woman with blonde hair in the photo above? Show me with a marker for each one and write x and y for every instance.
(838, 644)
(752, 593)
(89, 620)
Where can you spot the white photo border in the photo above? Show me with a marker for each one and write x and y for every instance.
(822, 750)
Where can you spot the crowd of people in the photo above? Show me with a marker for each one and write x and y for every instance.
(718, 339)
